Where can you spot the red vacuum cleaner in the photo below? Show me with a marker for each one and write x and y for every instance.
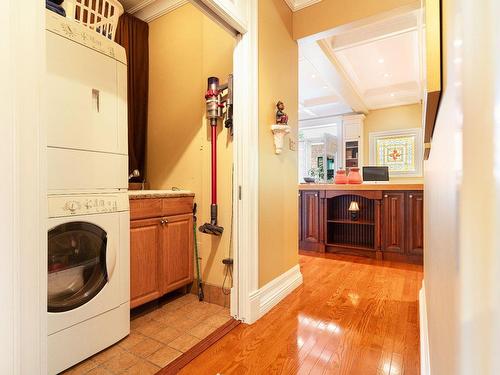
(216, 101)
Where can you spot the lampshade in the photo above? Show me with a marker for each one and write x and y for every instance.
(353, 206)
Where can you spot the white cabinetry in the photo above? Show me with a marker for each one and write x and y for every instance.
(352, 135)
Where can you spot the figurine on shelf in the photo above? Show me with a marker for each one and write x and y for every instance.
(281, 116)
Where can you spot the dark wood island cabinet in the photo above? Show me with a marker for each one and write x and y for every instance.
(389, 224)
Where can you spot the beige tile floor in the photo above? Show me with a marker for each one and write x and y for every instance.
(157, 338)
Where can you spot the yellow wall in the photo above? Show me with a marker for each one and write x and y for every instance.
(328, 14)
(395, 118)
(178, 149)
(278, 209)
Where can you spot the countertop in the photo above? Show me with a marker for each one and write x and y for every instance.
(364, 186)
(147, 194)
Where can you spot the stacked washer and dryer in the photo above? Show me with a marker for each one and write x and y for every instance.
(88, 227)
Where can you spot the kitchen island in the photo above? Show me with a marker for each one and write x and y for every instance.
(388, 224)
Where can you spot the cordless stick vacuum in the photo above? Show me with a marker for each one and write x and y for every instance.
(215, 104)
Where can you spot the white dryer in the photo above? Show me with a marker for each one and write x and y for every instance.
(88, 276)
(87, 126)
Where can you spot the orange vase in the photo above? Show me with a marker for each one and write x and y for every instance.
(340, 177)
(354, 176)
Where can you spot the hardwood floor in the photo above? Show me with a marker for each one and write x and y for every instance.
(350, 317)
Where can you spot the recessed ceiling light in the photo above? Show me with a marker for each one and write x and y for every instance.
(313, 75)
(386, 75)
(325, 87)
(381, 61)
(392, 94)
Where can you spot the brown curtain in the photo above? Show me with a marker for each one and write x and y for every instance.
(132, 34)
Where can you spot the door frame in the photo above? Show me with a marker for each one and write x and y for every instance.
(246, 150)
(23, 276)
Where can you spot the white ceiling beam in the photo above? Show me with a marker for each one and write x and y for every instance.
(377, 31)
(330, 99)
(341, 81)
(296, 5)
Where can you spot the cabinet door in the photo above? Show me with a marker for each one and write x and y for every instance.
(145, 262)
(177, 252)
(393, 222)
(415, 223)
(309, 215)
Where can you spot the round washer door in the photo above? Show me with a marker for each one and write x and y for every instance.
(76, 265)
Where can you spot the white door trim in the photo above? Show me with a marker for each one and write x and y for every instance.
(265, 298)
(425, 366)
(23, 328)
(246, 167)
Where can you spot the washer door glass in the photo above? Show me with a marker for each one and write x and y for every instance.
(76, 265)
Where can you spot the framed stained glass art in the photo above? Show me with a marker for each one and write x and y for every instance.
(400, 150)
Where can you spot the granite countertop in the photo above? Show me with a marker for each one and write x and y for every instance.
(145, 194)
(364, 186)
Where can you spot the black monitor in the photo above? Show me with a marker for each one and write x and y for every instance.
(375, 173)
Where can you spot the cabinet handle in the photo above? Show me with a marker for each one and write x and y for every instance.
(163, 221)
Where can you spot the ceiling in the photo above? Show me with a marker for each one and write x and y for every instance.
(136, 5)
(318, 98)
(376, 65)
(129, 4)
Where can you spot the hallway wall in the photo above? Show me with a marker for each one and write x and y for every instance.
(462, 213)
(178, 149)
(278, 203)
(442, 189)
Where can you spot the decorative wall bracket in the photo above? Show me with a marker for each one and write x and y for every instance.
(279, 132)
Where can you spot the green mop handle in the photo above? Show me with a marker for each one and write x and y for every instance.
(200, 285)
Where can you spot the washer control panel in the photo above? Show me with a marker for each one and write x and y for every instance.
(88, 204)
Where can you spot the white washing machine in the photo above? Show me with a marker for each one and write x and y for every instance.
(88, 276)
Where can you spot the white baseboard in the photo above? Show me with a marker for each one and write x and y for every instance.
(273, 292)
(425, 366)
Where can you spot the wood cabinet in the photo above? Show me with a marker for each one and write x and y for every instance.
(403, 229)
(415, 223)
(310, 218)
(389, 225)
(145, 252)
(393, 219)
(161, 247)
(177, 243)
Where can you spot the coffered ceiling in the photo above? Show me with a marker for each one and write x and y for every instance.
(376, 65)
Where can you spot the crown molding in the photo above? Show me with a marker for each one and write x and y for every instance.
(296, 5)
(149, 10)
